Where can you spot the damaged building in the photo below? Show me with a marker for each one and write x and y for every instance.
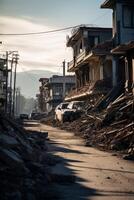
(42, 95)
(123, 42)
(103, 58)
(53, 91)
(92, 62)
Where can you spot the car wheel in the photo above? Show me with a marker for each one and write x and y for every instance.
(62, 119)
(71, 118)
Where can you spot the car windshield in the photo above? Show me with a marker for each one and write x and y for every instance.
(64, 106)
(75, 105)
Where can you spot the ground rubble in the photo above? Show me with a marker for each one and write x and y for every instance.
(111, 128)
(24, 172)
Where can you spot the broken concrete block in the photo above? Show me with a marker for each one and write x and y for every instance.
(14, 195)
(8, 141)
(11, 158)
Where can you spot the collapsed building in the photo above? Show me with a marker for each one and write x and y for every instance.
(109, 122)
(92, 62)
(42, 95)
(103, 58)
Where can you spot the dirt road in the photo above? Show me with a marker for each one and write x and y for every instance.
(87, 173)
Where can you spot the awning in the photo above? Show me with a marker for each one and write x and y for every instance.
(123, 48)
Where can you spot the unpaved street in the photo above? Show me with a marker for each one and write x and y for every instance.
(87, 173)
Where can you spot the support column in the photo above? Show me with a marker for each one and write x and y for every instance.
(114, 70)
(64, 82)
(133, 76)
(126, 74)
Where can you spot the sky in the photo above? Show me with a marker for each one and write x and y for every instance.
(46, 52)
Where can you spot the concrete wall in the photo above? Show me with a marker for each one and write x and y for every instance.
(107, 69)
(84, 41)
(120, 33)
(103, 35)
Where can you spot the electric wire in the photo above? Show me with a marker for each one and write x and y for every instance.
(52, 31)
(38, 33)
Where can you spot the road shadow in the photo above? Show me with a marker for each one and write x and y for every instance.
(104, 169)
(66, 182)
(57, 148)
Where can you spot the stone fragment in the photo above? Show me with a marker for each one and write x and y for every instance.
(9, 141)
(11, 158)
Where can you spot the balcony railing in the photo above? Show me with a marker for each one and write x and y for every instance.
(72, 64)
(80, 57)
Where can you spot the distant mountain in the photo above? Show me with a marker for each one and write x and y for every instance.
(29, 81)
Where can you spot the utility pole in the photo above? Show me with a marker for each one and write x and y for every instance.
(6, 71)
(14, 88)
(64, 82)
(10, 95)
(17, 102)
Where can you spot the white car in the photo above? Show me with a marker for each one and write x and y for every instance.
(69, 111)
(60, 111)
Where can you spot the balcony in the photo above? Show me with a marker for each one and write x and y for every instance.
(80, 57)
(70, 66)
(76, 61)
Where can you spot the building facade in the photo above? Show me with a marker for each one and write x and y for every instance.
(54, 90)
(92, 62)
(123, 41)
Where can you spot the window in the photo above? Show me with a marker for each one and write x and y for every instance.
(128, 17)
(93, 40)
(57, 90)
(133, 17)
(96, 40)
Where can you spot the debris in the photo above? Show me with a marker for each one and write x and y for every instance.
(110, 128)
(23, 162)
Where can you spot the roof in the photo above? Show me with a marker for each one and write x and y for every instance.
(79, 31)
(108, 4)
(55, 79)
(123, 48)
(43, 79)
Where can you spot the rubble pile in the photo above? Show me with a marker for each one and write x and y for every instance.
(111, 128)
(23, 167)
(50, 119)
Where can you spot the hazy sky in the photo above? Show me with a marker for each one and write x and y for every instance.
(46, 51)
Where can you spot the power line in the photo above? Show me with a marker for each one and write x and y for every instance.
(51, 31)
(38, 33)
